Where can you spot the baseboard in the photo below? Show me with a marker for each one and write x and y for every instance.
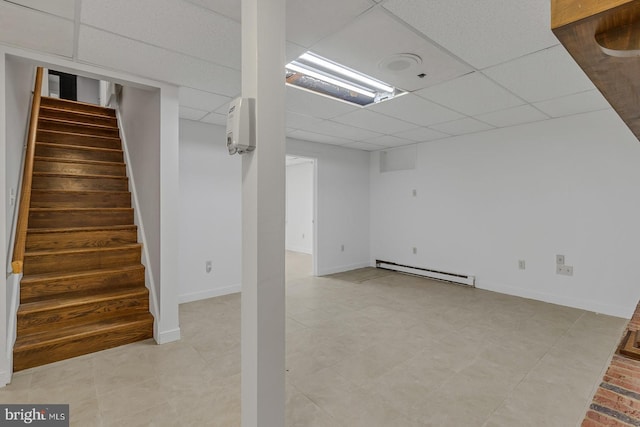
(209, 293)
(5, 378)
(594, 306)
(334, 270)
(164, 337)
(300, 249)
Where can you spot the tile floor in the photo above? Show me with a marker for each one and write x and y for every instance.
(364, 348)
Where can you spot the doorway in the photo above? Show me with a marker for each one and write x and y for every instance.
(300, 227)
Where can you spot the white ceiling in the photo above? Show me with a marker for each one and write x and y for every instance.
(489, 64)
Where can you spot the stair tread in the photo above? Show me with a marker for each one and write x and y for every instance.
(44, 338)
(80, 251)
(80, 229)
(71, 122)
(28, 279)
(79, 113)
(107, 110)
(84, 162)
(78, 175)
(79, 147)
(74, 300)
(62, 191)
(79, 209)
(83, 135)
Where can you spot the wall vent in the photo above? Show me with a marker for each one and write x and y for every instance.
(462, 279)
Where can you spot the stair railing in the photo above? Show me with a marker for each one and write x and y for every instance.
(27, 177)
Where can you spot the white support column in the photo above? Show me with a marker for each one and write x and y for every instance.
(263, 204)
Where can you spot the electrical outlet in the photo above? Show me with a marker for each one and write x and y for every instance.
(341, 248)
(559, 259)
(521, 264)
(208, 266)
(565, 270)
(415, 251)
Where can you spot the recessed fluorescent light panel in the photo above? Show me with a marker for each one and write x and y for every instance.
(317, 74)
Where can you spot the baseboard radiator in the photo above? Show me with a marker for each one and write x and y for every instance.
(462, 279)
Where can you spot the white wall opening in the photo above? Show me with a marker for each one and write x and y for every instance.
(300, 224)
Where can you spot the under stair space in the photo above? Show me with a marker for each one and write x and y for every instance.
(83, 288)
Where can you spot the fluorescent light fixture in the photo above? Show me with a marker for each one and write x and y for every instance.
(320, 75)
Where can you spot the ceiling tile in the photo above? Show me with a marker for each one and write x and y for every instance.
(310, 104)
(472, 94)
(178, 26)
(310, 21)
(201, 100)
(215, 118)
(483, 33)
(24, 27)
(543, 75)
(461, 127)
(422, 135)
(376, 36)
(62, 8)
(513, 116)
(119, 53)
(574, 104)
(191, 113)
(373, 121)
(299, 121)
(363, 146)
(316, 137)
(229, 8)
(413, 109)
(328, 127)
(389, 141)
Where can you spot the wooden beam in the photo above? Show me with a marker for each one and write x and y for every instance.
(601, 36)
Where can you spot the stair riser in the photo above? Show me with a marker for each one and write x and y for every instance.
(64, 263)
(79, 168)
(74, 116)
(44, 124)
(31, 290)
(78, 139)
(48, 182)
(64, 219)
(49, 199)
(65, 105)
(80, 239)
(90, 312)
(51, 150)
(24, 359)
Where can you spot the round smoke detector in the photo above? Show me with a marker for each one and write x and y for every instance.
(399, 62)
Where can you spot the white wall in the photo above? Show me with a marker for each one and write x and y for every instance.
(299, 220)
(19, 82)
(150, 126)
(566, 186)
(210, 214)
(88, 90)
(342, 205)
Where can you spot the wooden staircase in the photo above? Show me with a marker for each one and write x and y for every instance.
(83, 288)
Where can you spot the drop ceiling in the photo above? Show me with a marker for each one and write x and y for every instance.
(488, 64)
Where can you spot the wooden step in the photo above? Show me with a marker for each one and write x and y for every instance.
(64, 343)
(47, 239)
(64, 104)
(45, 286)
(63, 199)
(89, 217)
(65, 311)
(81, 259)
(75, 167)
(77, 116)
(70, 182)
(77, 127)
(69, 138)
(60, 151)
